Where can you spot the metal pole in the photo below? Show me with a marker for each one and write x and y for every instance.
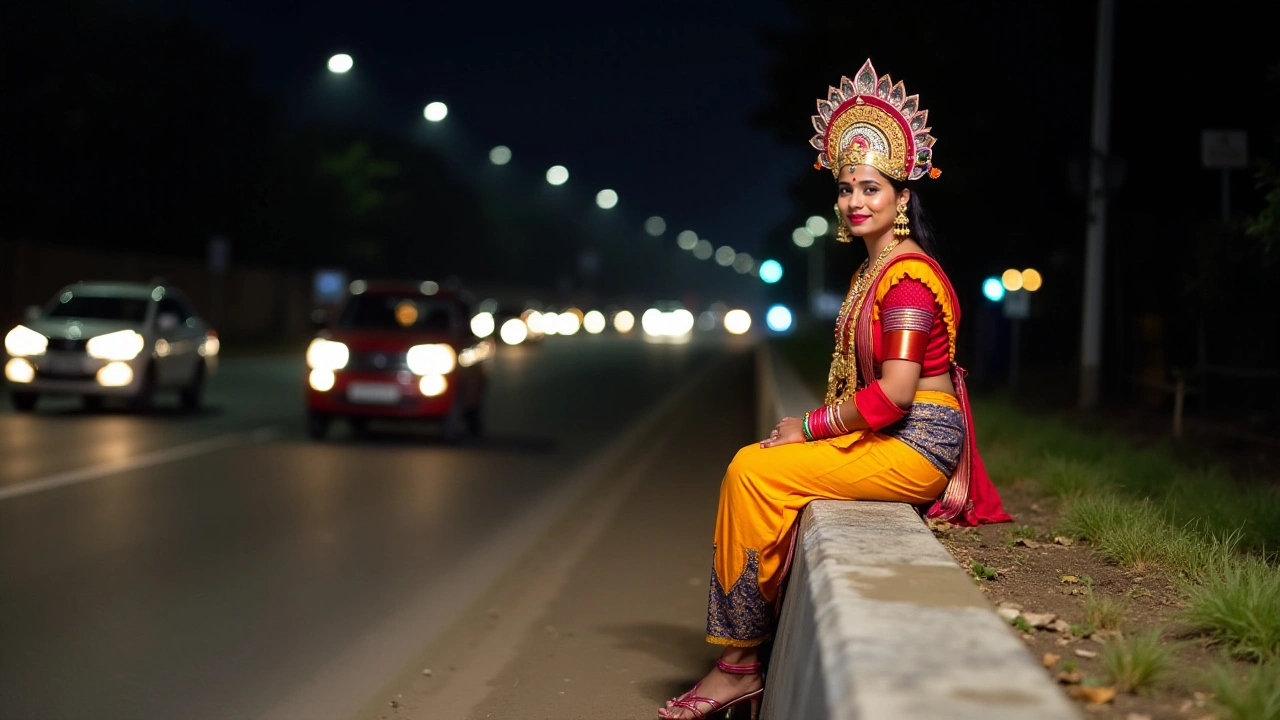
(1095, 237)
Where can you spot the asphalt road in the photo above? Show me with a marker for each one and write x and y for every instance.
(222, 565)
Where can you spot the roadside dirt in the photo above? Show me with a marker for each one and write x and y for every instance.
(1039, 575)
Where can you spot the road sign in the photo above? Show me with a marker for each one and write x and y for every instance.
(1224, 149)
(1017, 305)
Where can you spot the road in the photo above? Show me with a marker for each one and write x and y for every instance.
(224, 566)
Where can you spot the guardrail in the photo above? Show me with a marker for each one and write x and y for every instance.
(879, 622)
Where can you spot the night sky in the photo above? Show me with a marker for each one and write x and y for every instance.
(649, 99)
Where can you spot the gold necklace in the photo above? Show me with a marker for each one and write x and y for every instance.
(838, 386)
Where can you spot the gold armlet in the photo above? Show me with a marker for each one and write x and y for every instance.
(905, 345)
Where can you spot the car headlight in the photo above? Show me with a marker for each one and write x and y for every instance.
(22, 341)
(327, 355)
(119, 346)
(431, 359)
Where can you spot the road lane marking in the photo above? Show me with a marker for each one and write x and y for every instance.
(151, 459)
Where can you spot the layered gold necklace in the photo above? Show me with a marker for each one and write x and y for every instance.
(844, 361)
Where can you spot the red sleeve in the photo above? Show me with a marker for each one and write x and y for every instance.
(910, 305)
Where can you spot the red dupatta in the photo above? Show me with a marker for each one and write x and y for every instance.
(970, 498)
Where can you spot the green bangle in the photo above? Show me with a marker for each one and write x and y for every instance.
(808, 434)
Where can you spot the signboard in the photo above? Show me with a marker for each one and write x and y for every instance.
(1221, 149)
(1017, 305)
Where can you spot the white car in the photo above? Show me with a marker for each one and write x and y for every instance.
(111, 339)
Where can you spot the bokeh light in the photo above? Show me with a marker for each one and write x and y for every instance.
(817, 226)
(500, 155)
(340, 63)
(482, 325)
(607, 199)
(802, 237)
(655, 226)
(435, 112)
(1031, 280)
(993, 289)
(770, 271)
(778, 318)
(1012, 280)
(513, 331)
(737, 322)
(594, 322)
(687, 240)
(743, 263)
(703, 250)
(725, 256)
(624, 322)
(558, 175)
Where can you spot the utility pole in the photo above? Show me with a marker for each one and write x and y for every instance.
(1095, 236)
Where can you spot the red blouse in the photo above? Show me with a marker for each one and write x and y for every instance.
(911, 305)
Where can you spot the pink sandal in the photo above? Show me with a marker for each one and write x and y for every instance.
(690, 700)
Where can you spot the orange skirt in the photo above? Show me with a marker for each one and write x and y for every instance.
(764, 490)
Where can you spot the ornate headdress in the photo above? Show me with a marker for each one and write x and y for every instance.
(874, 122)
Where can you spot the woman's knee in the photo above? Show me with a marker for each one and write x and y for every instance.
(744, 467)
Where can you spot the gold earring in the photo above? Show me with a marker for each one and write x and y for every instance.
(843, 233)
(901, 223)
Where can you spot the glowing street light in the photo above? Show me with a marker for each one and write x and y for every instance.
(770, 271)
(1031, 280)
(558, 175)
(1012, 280)
(743, 263)
(725, 256)
(340, 63)
(655, 226)
(778, 318)
(703, 250)
(435, 112)
(607, 199)
(500, 155)
(687, 240)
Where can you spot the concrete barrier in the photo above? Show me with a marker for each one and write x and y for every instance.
(879, 622)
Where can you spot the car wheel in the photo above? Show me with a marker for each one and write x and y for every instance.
(318, 425)
(146, 391)
(92, 403)
(192, 395)
(25, 401)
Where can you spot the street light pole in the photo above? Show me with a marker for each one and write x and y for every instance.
(1095, 243)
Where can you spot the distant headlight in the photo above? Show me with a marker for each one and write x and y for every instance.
(119, 346)
(22, 341)
(431, 359)
(327, 355)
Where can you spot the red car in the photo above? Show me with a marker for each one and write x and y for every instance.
(398, 351)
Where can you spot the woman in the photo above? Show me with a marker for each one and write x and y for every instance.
(895, 424)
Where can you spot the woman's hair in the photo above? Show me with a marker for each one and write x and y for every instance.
(921, 232)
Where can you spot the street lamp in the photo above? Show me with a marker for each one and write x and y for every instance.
(558, 175)
(606, 199)
(340, 63)
(435, 112)
(703, 250)
(770, 271)
(655, 226)
(802, 237)
(817, 226)
(687, 240)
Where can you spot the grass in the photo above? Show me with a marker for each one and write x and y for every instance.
(1143, 509)
(1250, 695)
(1137, 662)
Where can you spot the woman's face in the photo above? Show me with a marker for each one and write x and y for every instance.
(868, 203)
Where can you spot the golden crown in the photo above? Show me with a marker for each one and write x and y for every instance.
(873, 122)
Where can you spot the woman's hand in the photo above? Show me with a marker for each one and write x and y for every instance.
(788, 430)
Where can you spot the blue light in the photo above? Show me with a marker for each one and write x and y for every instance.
(993, 289)
(778, 318)
(770, 271)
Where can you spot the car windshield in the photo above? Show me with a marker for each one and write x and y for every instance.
(397, 312)
(97, 307)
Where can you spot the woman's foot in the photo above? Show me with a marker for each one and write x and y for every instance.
(726, 685)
